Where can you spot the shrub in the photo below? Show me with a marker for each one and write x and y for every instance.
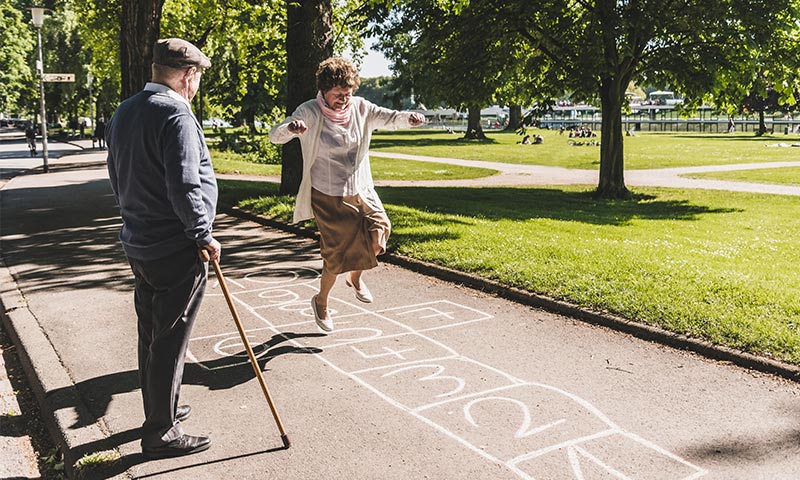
(254, 148)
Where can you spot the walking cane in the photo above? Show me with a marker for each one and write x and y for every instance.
(204, 255)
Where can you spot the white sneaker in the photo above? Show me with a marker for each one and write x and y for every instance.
(324, 323)
(362, 294)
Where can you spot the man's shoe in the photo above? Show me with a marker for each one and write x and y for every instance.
(183, 445)
(182, 413)
(362, 292)
(323, 322)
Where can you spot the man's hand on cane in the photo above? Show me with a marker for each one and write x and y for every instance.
(213, 251)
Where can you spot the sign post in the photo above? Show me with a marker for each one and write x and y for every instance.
(58, 77)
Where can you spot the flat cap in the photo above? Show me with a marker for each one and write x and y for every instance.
(178, 53)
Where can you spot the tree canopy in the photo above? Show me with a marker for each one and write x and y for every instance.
(480, 51)
(16, 43)
(439, 55)
(459, 53)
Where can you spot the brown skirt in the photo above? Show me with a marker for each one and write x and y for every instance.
(345, 230)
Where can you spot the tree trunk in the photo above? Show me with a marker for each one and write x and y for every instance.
(762, 126)
(514, 117)
(309, 41)
(250, 118)
(474, 128)
(140, 27)
(612, 179)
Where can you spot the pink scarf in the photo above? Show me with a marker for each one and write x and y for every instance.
(339, 117)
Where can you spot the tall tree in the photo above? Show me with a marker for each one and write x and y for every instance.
(309, 41)
(17, 84)
(595, 48)
(65, 52)
(449, 53)
(100, 32)
(140, 24)
(245, 41)
(766, 77)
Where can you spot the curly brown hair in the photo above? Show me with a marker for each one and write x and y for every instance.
(337, 72)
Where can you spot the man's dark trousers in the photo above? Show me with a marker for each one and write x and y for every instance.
(167, 297)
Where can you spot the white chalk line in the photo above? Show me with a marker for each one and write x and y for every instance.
(511, 464)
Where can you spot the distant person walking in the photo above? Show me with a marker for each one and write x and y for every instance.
(161, 174)
(337, 188)
(30, 136)
(100, 132)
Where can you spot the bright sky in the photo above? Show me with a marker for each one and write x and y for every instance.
(375, 65)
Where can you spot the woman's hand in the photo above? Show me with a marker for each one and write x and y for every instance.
(416, 119)
(298, 127)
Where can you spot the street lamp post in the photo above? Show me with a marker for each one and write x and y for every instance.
(89, 81)
(37, 14)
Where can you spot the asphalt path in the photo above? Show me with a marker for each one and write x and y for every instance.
(433, 380)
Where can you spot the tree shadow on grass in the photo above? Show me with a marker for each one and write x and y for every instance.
(548, 203)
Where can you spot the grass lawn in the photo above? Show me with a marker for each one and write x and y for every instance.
(782, 176)
(230, 162)
(382, 168)
(712, 264)
(395, 169)
(646, 150)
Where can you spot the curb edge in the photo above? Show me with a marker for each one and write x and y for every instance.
(53, 388)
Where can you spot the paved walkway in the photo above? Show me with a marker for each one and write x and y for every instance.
(16, 450)
(431, 381)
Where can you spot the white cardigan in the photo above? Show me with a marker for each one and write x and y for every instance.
(367, 116)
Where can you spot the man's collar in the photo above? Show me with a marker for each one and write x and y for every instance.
(161, 88)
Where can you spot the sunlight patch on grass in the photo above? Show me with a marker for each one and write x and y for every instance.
(707, 264)
(779, 176)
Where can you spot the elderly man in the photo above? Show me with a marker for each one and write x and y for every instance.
(161, 174)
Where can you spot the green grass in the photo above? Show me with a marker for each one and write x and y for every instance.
(710, 264)
(382, 168)
(395, 169)
(230, 162)
(781, 176)
(716, 265)
(90, 464)
(644, 151)
(261, 197)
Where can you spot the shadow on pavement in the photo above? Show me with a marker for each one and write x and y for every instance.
(131, 460)
(218, 374)
(62, 236)
(66, 237)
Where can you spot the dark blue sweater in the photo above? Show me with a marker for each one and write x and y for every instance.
(161, 174)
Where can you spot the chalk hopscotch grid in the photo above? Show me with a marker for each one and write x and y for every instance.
(576, 449)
